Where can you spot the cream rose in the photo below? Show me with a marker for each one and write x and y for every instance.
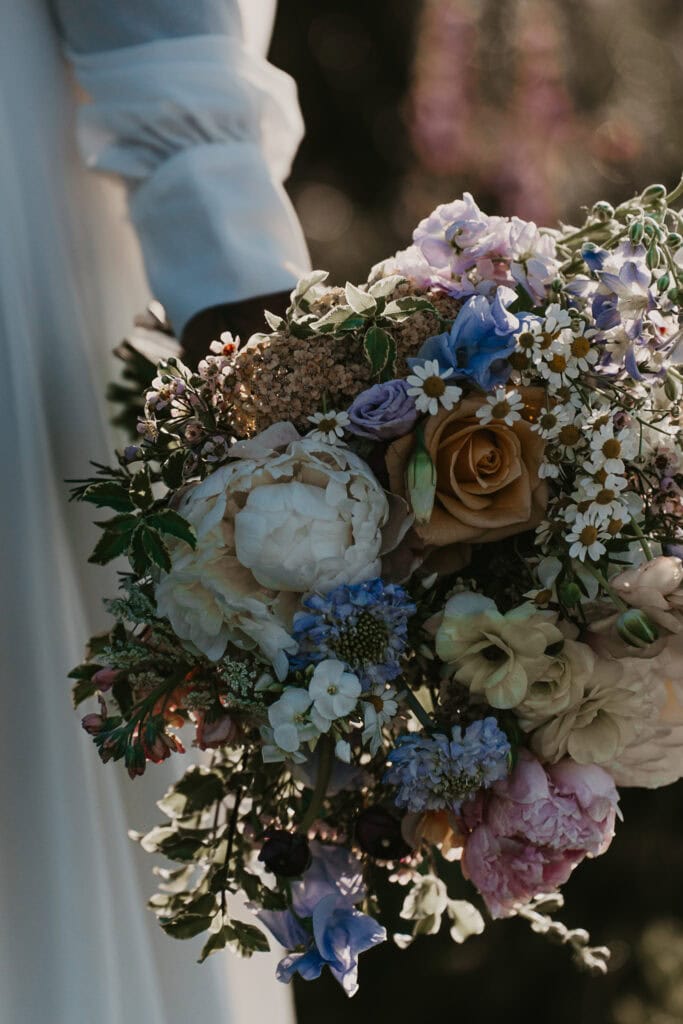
(559, 686)
(488, 485)
(269, 528)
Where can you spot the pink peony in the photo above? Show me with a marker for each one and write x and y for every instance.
(531, 829)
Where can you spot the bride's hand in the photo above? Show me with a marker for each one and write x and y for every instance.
(242, 319)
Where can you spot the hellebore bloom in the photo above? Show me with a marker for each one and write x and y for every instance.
(478, 344)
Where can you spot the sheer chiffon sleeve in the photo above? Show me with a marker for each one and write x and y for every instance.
(203, 130)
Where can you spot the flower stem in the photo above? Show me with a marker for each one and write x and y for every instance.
(676, 194)
(325, 761)
(417, 709)
(644, 543)
(609, 590)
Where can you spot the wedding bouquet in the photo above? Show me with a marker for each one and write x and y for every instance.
(408, 565)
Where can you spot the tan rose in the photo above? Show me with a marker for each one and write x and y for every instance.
(487, 475)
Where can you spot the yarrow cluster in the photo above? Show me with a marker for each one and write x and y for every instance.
(409, 564)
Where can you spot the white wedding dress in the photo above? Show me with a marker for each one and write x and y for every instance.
(77, 945)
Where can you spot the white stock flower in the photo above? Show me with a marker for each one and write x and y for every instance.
(269, 528)
(334, 692)
(290, 719)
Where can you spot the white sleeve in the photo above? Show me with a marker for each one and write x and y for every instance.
(203, 131)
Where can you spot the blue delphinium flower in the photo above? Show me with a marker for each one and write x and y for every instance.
(478, 344)
(362, 624)
(436, 772)
(324, 929)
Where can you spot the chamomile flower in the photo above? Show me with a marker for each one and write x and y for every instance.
(501, 405)
(550, 421)
(426, 384)
(328, 426)
(583, 354)
(609, 449)
(586, 538)
(379, 708)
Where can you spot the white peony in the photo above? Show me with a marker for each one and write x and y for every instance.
(310, 518)
(267, 529)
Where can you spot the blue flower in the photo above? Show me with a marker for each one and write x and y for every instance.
(478, 344)
(362, 624)
(323, 928)
(436, 773)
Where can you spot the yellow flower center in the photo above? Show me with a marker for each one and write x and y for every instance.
(558, 364)
(580, 347)
(588, 536)
(611, 449)
(327, 424)
(500, 410)
(433, 387)
(570, 435)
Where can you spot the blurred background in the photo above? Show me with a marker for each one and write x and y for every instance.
(538, 107)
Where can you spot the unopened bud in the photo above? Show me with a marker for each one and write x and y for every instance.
(635, 232)
(654, 192)
(92, 723)
(603, 211)
(674, 240)
(569, 594)
(663, 283)
(671, 389)
(636, 628)
(421, 481)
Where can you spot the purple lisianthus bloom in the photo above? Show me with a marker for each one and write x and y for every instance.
(383, 412)
(479, 342)
(323, 925)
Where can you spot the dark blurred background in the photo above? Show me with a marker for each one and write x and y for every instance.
(538, 107)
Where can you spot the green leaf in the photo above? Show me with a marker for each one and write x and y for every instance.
(169, 521)
(385, 286)
(180, 847)
(81, 691)
(108, 547)
(401, 309)
(119, 524)
(141, 489)
(377, 344)
(249, 939)
(360, 302)
(389, 370)
(215, 942)
(273, 321)
(185, 926)
(108, 494)
(156, 549)
(198, 789)
(172, 469)
(139, 558)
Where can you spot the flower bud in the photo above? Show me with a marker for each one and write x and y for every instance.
(635, 232)
(104, 679)
(603, 211)
(636, 628)
(569, 594)
(663, 283)
(674, 240)
(285, 853)
(92, 723)
(654, 192)
(671, 389)
(378, 833)
(421, 481)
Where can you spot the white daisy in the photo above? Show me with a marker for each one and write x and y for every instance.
(585, 538)
(609, 449)
(501, 405)
(329, 426)
(426, 385)
(379, 708)
(551, 420)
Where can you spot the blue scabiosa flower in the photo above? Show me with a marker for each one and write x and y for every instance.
(435, 773)
(362, 624)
